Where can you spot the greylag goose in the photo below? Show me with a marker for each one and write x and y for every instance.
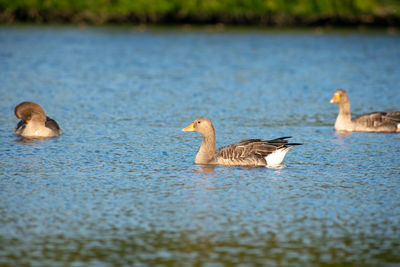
(370, 122)
(34, 122)
(252, 152)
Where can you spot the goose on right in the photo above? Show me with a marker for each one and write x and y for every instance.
(385, 121)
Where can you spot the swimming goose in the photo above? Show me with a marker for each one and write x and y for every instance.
(34, 122)
(252, 152)
(371, 122)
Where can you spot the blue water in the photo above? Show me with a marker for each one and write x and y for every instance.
(119, 187)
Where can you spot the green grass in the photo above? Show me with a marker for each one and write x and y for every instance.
(266, 12)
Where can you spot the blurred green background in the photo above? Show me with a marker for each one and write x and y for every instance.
(251, 12)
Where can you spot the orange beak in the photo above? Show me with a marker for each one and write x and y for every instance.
(27, 121)
(335, 98)
(189, 128)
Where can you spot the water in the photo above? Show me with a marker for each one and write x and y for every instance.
(120, 186)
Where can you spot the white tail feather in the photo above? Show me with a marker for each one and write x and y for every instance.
(276, 157)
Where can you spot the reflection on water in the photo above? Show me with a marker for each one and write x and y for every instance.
(341, 136)
(205, 170)
(35, 140)
(120, 186)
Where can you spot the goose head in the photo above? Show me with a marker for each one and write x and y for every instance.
(30, 111)
(201, 125)
(340, 96)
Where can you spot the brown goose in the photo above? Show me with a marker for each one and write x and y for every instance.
(34, 122)
(371, 122)
(252, 152)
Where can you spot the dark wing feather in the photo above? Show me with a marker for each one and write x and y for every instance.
(52, 124)
(20, 127)
(393, 115)
(252, 148)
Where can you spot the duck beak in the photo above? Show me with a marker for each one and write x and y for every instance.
(189, 128)
(27, 121)
(335, 98)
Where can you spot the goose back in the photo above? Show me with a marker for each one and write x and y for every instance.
(251, 152)
(378, 121)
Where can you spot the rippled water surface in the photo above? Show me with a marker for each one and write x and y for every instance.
(120, 186)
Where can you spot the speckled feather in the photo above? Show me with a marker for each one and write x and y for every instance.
(379, 119)
(250, 152)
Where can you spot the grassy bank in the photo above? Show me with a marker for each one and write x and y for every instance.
(244, 12)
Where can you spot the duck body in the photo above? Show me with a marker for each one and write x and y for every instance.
(33, 129)
(251, 152)
(34, 122)
(370, 122)
(375, 122)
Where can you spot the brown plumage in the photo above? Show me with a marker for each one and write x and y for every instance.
(252, 152)
(370, 122)
(34, 122)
